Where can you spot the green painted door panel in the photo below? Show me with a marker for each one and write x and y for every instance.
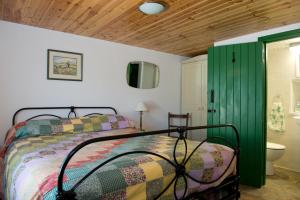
(236, 75)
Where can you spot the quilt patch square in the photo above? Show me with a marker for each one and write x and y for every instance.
(68, 127)
(167, 170)
(152, 170)
(57, 128)
(76, 121)
(116, 195)
(45, 129)
(207, 174)
(218, 158)
(166, 181)
(133, 175)
(154, 187)
(114, 177)
(124, 163)
(55, 122)
(136, 192)
(78, 127)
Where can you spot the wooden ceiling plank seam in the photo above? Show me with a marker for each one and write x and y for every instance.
(107, 22)
(230, 34)
(69, 16)
(25, 9)
(106, 10)
(139, 14)
(116, 13)
(166, 49)
(97, 8)
(169, 30)
(261, 22)
(65, 16)
(80, 7)
(186, 28)
(204, 25)
(78, 21)
(32, 7)
(7, 11)
(159, 28)
(1, 9)
(278, 22)
(164, 19)
(107, 18)
(185, 33)
(225, 24)
(41, 22)
(39, 11)
(49, 17)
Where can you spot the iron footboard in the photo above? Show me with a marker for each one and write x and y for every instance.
(180, 170)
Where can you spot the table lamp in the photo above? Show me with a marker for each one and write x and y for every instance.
(141, 107)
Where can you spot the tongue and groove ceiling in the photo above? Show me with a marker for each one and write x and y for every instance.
(187, 27)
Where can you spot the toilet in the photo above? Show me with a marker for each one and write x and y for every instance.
(274, 152)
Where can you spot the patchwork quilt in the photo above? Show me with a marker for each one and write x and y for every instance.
(32, 165)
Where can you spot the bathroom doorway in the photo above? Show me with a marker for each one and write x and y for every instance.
(283, 105)
(282, 115)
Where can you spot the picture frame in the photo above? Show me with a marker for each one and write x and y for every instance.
(64, 65)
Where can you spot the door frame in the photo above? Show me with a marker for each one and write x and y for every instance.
(269, 39)
(203, 57)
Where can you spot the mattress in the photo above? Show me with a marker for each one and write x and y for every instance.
(32, 165)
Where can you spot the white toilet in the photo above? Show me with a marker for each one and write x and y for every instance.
(274, 152)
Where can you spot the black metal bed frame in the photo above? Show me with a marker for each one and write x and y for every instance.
(231, 182)
(71, 108)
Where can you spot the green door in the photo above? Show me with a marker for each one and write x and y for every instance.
(236, 95)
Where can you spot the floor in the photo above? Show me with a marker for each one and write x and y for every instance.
(284, 185)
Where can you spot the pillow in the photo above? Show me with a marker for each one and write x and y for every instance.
(73, 125)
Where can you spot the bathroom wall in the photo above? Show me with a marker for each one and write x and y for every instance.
(281, 70)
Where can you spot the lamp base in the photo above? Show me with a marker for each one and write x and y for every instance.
(141, 121)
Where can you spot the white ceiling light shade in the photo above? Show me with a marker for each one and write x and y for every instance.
(152, 8)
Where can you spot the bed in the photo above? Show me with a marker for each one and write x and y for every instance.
(115, 161)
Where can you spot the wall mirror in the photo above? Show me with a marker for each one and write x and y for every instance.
(142, 75)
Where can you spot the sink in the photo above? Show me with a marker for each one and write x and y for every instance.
(297, 118)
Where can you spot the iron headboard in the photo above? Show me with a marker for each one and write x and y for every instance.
(72, 110)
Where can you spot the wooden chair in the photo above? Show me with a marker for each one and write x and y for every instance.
(172, 116)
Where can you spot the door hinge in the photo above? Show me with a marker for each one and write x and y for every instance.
(233, 56)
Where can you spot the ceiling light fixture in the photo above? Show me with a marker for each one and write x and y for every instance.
(152, 8)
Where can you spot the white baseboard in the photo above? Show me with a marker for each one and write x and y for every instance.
(286, 168)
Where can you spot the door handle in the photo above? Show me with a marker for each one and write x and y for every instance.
(212, 96)
(211, 110)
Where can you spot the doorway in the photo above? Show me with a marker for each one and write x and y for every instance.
(194, 94)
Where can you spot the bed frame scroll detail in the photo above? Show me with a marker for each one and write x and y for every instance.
(180, 170)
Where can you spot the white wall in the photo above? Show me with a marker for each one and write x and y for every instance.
(23, 82)
(254, 36)
(281, 71)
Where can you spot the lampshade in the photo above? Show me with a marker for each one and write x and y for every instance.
(152, 8)
(141, 107)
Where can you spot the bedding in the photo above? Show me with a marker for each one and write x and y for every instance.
(72, 125)
(32, 164)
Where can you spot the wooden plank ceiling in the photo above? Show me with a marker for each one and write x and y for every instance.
(187, 27)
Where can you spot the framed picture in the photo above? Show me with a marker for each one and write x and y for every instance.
(63, 65)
